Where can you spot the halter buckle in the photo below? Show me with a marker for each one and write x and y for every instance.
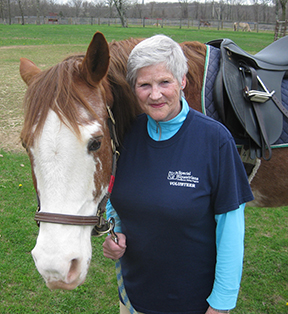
(107, 227)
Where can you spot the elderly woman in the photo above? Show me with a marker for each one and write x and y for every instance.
(179, 196)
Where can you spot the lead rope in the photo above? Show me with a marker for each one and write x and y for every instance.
(122, 289)
(119, 276)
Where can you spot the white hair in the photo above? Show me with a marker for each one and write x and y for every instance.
(154, 50)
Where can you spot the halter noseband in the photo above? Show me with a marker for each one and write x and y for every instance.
(101, 225)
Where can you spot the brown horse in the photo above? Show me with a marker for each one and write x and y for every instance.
(271, 180)
(67, 136)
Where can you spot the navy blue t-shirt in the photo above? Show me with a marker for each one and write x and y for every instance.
(166, 194)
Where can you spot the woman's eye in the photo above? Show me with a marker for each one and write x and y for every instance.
(94, 144)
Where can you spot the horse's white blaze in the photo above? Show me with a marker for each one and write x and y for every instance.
(64, 171)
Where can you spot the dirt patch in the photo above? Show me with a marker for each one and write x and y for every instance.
(12, 88)
(10, 140)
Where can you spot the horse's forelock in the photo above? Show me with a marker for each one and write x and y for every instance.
(58, 89)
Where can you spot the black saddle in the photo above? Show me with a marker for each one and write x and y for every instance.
(247, 93)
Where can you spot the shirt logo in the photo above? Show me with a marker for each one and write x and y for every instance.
(181, 178)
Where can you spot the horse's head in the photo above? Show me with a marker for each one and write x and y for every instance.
(67, 137)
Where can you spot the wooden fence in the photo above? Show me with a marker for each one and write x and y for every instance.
(157, 22)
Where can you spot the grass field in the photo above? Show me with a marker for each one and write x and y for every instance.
(11, 35)
(22, 290)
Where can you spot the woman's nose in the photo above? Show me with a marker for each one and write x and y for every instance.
(155, 93)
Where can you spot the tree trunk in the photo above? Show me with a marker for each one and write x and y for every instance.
(38, 12)
(9, 12)
(121, 11)
(21, 12)
(283, 7)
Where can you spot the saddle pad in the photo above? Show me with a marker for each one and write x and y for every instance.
(208, 106)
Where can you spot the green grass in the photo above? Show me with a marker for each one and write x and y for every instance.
(265, 276)
(264, 287)
(11, 35)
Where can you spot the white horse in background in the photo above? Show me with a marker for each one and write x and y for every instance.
(244, 26)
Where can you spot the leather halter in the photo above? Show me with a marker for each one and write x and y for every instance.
(101, 225)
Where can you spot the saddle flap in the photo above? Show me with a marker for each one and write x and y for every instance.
(250, 108)
(233, 82)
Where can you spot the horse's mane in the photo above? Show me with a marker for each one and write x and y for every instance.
(195, 53)
(57, 89)
(125, 106)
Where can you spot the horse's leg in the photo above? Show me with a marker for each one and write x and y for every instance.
(270, 184)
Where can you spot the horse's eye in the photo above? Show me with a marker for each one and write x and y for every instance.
(94, 144)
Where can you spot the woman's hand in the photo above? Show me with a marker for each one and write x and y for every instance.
(113, 250)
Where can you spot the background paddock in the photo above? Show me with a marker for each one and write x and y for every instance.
(265, 277)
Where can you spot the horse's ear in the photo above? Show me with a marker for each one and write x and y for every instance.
(28, 70)
(96, 61)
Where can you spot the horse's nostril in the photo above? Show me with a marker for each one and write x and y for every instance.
(74, 263)
(73, 271)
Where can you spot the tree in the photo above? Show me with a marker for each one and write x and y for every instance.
(184, 8)
(1, 10)
(77, 5)
(256, 10)
(121, 6)
(110, 4)
(38, 11)
(9, 11)
(21, 12)
(283, 7)
(137, 10)
(86, 8)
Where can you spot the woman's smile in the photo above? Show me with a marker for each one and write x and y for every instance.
(157, 105)
(158, 92)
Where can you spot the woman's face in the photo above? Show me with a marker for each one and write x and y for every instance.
(158, 92)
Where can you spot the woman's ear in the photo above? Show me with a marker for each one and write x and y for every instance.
(183, 83)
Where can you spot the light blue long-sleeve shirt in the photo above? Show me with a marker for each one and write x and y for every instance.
(229, 229)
